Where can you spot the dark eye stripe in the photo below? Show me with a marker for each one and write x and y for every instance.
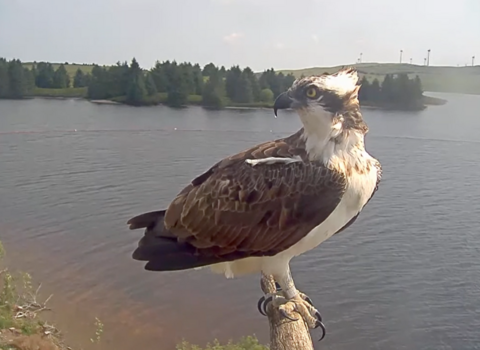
(332, 101)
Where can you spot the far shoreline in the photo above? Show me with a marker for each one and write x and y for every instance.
(427, 101)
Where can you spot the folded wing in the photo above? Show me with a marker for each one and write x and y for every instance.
(236, 210)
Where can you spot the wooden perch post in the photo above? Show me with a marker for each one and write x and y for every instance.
(285, 334)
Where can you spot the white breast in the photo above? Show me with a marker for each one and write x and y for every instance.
(359, 190)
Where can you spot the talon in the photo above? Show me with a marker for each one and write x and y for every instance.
(306, 298)
(265, 304)
(301, 304)
(259, 305)
(284, 314)
(322, 326)
(277, 286)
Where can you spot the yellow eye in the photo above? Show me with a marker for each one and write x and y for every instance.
(312, 92)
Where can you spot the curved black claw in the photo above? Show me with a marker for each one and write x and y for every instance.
(263, 304)
(259, 305)
(284, 314)
(322, 326)
(278, 287)
(308, 300)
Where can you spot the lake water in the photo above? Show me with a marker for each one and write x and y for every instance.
(406, 275)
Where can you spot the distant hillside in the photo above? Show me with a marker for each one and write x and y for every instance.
(438, 79)
(71, 67)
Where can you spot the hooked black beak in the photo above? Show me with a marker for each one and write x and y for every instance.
(283, 101)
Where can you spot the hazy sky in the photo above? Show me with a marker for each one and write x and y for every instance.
(257, 33)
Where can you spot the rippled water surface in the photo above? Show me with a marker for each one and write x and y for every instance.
(406, 275)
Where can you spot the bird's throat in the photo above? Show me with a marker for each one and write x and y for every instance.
(333, 146)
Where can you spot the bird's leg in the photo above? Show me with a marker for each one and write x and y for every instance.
(289, 300)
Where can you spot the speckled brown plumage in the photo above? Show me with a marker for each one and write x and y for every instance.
(234, 210)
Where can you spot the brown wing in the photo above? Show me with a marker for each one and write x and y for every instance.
(237, 208)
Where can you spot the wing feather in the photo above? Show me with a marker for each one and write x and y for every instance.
(254, 210)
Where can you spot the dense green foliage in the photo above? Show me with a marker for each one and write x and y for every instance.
(180, 84)
(216, 85)
(214, 90)
(15, 80)
(81, 79)
(48, 78)
(395, 91)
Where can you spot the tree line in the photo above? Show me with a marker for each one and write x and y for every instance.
(395, 91)
(178, 84)
(16, 81)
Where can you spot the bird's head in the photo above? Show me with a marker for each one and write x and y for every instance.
(327, 104)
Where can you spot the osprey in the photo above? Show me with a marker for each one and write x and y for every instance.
(254, 211)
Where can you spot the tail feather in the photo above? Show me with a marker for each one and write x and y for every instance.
(145, 220)
(161, 249)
